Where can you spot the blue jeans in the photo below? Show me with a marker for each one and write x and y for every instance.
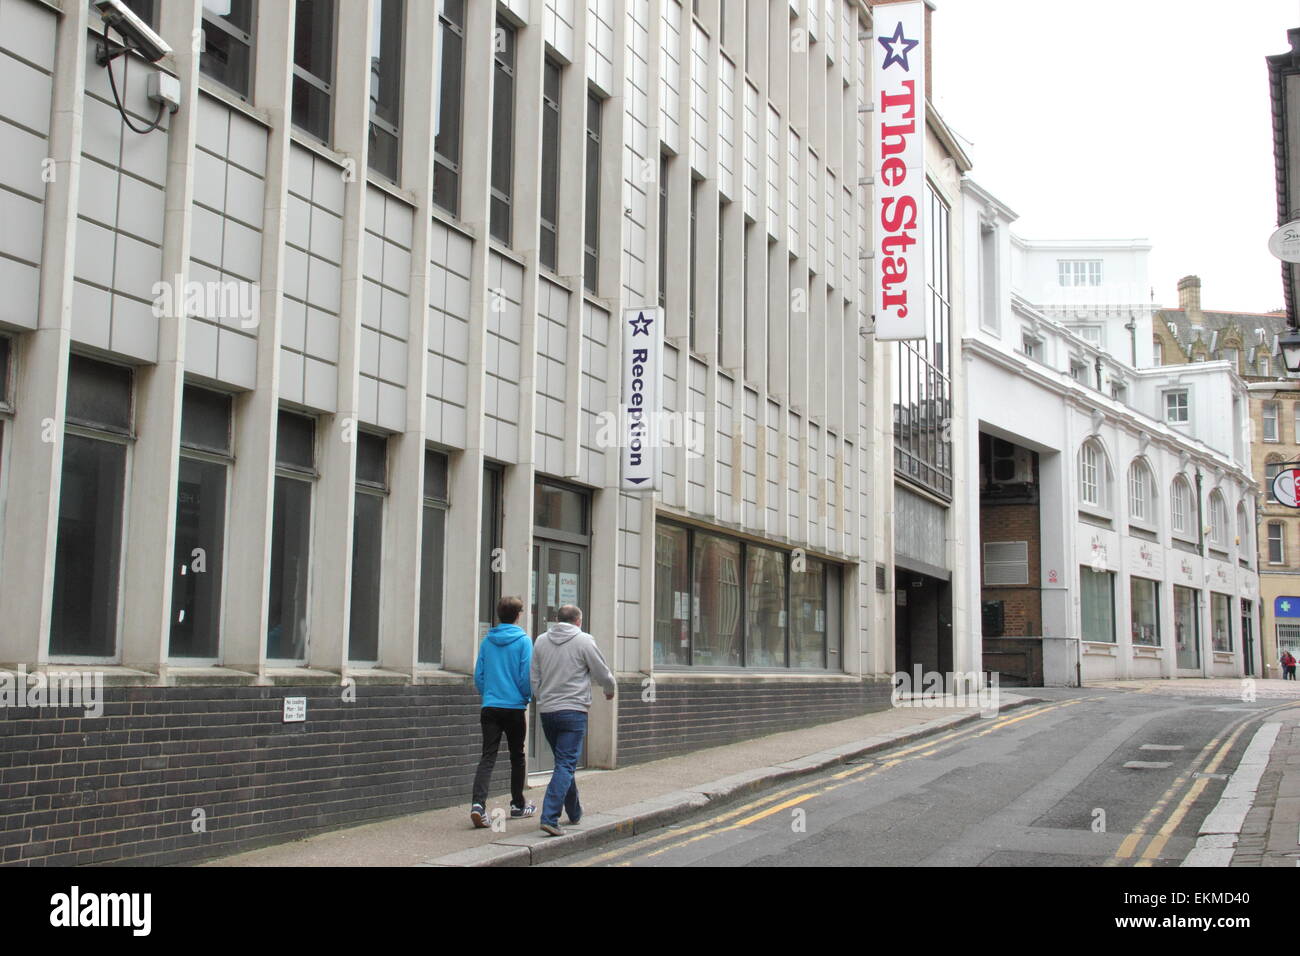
(565, 731)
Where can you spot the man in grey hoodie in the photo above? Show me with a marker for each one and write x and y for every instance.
(564, 660)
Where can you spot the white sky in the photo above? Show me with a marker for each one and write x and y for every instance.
(1123, 119)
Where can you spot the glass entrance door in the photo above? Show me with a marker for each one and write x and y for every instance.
(559, 578)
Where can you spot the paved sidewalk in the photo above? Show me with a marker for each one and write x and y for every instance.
(634, 798)
(1270, 834)
(1226, 687)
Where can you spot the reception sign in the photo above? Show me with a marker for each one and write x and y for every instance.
(641, 355)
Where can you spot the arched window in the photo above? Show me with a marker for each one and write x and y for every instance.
(1218, 520)
(1094, 476)
(1243, 531)
(1272, 465)
(1182, 515)
(1140, 493)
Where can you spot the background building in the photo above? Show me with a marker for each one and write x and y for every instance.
(1112, 524)
(298, 383)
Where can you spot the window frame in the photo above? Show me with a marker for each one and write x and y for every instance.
(1279, 540)
(500, 220)
(390, 127)
(311, 79)
(452, 165)
(552, 109)
(1265, 418)
(1185, 406)
(246, 38)
(591, 189)
(1181, 507)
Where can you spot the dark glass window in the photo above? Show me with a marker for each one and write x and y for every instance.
(433, 537)
(367, 546)
(88, 549)
(694, 265)
(372, 460)
(503, 131)
(591, 204)
(663, 231)
(446, 142)
(765, 600)
(560, 509)
(146, 10)
(549, 240)
(721, 602)
(228, 43)
(99, 395)
(672, 595)
(722, 248)
(199, 551)
(88, 555)
(922, 382)
(286, 637)
(313, 66)
(490, 538)
(386, 39)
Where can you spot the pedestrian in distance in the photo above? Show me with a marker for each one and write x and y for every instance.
(565, 659)
(502, 678)
(1288, 665)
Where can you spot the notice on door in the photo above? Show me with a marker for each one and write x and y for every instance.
(568, 588)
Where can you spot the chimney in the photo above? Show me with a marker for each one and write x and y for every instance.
(1189, 299)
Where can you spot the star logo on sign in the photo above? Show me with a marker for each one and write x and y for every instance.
(641, 325)
(892, 53)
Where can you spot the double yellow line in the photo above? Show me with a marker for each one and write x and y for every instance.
(1155, 846)
(789, 797)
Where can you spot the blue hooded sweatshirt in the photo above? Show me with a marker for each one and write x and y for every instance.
(502, 674)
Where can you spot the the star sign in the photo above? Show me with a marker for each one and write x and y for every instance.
(641, 325)
(892, 53)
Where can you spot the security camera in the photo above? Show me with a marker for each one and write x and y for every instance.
(135, 32)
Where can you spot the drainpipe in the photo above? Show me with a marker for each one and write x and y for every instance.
(1204, 602)
(1098, 367)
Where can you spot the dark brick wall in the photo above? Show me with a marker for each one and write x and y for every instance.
(1022, 607)
(123, 787)
(690, 714)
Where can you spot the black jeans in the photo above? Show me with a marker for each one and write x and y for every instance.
(514, 724)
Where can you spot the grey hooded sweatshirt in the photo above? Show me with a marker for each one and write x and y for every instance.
(564, 661)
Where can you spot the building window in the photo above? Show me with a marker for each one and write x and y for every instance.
(432, 556)
(1221, 621)
(145, 10)
(1295, 420)
(722, 258)
(387, 36)
(1093, 477)
(1271, 470)
(1139, 494)
(1180, 506)
(1276, 543)
(1078, 272)
(663, 231)
(1218, 521)
(1031, 346)
(199, 556)
(295, 460)
(446, 121)
(922, 370)
(721, 602)
(490, 544)
(503, 131)
(1097, 605)
(1270, 421)
(1177, 410)
(1262, 366)
(313, 67)
(1187, 633)
(591, 201)
(88, 549)
(228, 43)
(367, 547)
(1145, 602)
(695, 263)
(1090, 334)
(1243, 535)
(550, 164)
(1158, 352)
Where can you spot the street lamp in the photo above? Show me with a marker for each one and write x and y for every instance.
(1289, 346)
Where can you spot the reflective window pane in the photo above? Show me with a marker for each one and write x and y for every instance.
(560, 509)
(431, 577)
(205, 420)
(197, 562)
(808, 615)
(1145, 601)
(672, 596)
(716, 614)
(286, 636)
(1221, 621)
(1097, 605)
(1187, 637)
(367, 557)
(99, 394)
(295, 442)
(227, 55)
(88, 552)
(765, 610)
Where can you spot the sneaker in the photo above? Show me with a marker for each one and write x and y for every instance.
(573, 821)
(553, 829)
(478, 816)
(527, 810)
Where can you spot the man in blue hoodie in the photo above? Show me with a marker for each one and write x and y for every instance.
(502, 676)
